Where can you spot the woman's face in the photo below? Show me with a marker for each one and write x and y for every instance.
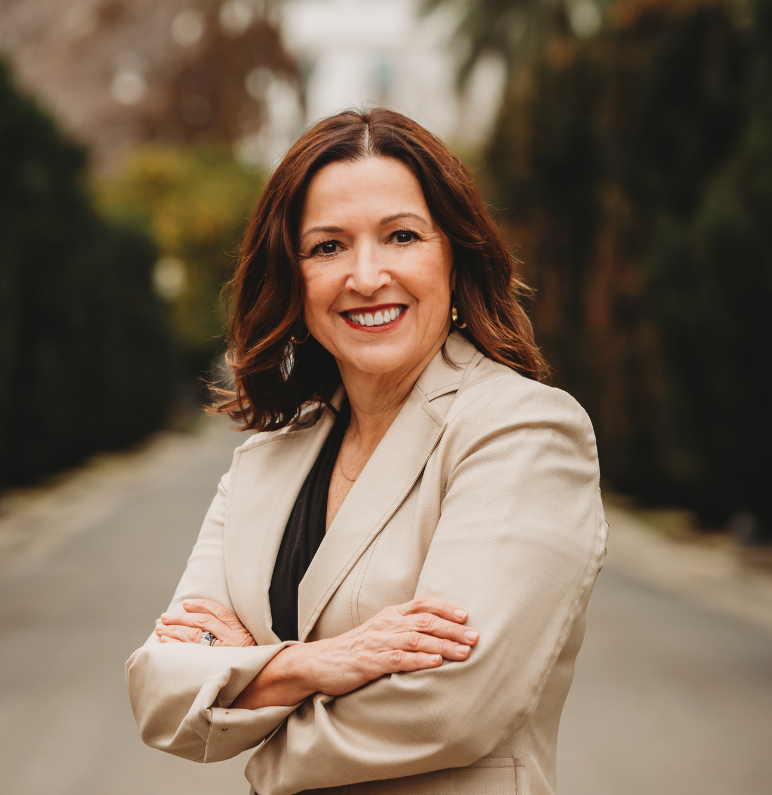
(377, 268)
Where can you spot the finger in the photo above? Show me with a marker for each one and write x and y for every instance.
(165, 639)
(184, 634)
(393, 662)
(438, 607)
(419, 642)
(430, 624)
(203, 621)
(227, 617)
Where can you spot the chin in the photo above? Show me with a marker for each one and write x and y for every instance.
(380, 358)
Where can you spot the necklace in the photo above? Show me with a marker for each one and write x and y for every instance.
(340, 461)
(342, 472)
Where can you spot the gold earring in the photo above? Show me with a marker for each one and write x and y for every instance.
(297, 341)
(457, 321)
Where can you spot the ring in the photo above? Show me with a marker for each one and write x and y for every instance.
(208, 639)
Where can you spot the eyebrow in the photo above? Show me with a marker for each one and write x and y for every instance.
(336, 230)
(389, 218)
(333, 230)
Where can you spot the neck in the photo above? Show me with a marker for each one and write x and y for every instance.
(376, 399)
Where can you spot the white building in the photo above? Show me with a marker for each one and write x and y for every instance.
(377, 52)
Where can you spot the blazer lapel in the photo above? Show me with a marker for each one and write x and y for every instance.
(384, 483)
(265, 482)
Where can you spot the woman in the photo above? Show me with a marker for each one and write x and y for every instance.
(388, 592)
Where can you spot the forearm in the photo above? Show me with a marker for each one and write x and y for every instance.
(284, 681)
(402, 638)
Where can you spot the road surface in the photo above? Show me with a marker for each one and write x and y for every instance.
(672, 695)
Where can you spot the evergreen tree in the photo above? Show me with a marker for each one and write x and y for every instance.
(84, 344)
(635, 168)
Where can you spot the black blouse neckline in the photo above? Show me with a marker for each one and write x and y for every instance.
(304, 533)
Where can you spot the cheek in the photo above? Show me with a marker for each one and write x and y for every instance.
(320, 292)
(430, 279)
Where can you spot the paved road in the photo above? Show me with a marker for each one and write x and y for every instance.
(670, 697)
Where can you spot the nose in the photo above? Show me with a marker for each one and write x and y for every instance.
(367, 275)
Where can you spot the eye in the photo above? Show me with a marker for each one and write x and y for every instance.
(404, 236)
(326, 248)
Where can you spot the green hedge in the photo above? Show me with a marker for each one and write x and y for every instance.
(84, 342)
(635, 169)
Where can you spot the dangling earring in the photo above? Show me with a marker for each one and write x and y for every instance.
(297, 342)
(457, 320)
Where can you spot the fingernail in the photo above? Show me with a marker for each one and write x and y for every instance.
(437, 658)
(164, 616)
(460, 615)
(470, 636)
(462, 649)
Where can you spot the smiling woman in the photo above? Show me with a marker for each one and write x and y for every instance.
(359, 153)
(406, 478)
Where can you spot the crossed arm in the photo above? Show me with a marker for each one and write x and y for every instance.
(409, 637)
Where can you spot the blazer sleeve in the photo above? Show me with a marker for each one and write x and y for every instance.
(181, 693)
(519, 544)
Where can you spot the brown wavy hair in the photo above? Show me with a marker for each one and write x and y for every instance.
(273, 376)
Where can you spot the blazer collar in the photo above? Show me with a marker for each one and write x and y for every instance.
(440, 377)
(269, 472)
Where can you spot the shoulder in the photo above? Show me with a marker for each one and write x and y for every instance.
(495, 400)
(498, 393)
(306, 421)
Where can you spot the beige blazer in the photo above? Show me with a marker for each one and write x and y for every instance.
(484, 491)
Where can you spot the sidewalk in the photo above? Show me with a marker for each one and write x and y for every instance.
(37, 521)
(707, 569)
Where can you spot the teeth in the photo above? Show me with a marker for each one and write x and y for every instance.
(378, 319)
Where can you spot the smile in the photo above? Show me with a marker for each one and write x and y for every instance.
(375, 316)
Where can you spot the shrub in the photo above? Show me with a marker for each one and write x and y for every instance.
(84, 342)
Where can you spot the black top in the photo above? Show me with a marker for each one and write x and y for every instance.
(304, 533)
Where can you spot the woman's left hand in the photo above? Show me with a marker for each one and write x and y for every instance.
(203, 615)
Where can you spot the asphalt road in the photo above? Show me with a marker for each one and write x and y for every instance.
(670, 696)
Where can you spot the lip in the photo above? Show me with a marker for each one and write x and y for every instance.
(374, 329)
(372, 309)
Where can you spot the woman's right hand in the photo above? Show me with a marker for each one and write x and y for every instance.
(408, 637)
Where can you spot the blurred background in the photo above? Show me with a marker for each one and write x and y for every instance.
(625, 147)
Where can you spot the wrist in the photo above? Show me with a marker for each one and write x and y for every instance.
(284, 681)
(297, 667)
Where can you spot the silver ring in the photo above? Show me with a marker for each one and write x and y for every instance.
(208, 639)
